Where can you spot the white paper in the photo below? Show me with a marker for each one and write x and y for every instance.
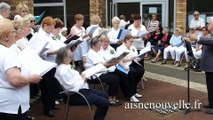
(34, 63)
(37, 43)
(124, 33)
(152, 9)
(92, 30)
(74, 43)
(144, 51)
(93, 70)
(142, 33)
(117, 59)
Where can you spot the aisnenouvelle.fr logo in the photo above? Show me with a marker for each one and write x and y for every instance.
(181, 104)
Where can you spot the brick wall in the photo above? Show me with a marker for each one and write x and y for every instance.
(97, 7)
(181, 14)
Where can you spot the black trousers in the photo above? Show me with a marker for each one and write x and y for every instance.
(126, 84)
(110, 79)
(98, 98)
(209, 83)
(18, 116)
(79, 65)
(49, 86)
(34, 89)
(136, 72)
(114, 46)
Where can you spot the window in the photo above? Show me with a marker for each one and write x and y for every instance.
(55, 8)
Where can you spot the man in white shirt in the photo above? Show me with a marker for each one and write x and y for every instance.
(197, 22)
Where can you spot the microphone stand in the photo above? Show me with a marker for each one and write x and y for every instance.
(188, 90)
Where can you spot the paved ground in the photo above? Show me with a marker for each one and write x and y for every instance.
(175, 72)
(166, 84)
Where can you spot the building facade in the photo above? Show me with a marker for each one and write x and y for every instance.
(171, 13)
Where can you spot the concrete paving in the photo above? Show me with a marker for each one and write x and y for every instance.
(166, 84)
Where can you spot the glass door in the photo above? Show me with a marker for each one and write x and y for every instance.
(159, 7)
(149, 9)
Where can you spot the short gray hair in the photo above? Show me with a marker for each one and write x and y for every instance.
(94, 41)
(61, 54)
(4, 6)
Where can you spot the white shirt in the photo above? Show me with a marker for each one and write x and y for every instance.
(112, 35)
(1, 17)
(197, 23)
(22, 43)
(93, 58)
(138, 43)
(10, 97)
(52, 45)
(83, 47)
(96, 32)
(122, 24)
(132, 53)
(108, 54)
(63, 38)
(69, 78)
(152, 25)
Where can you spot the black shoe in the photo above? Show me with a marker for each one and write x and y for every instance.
(210, 111)
(164, 62)
(31, 118)
(118, 102)
(50, 113)
(206, 106)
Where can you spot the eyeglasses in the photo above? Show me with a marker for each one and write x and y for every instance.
(32, 21)
(24, 11)
(196, 14)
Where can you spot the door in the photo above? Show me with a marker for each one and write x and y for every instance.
(159, 8)
(142, 7)
(148, 10)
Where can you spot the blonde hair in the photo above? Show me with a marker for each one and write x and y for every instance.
(6, 27)
(115, 19)
(29, 16)
(179, 30)
(20, 7)
(95, 19)
(20, 23)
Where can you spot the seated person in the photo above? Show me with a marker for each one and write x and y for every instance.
(71, 80)
(162, 44)
(175, 42)
(92, 58)
(126, 83)
(157, 35)
(131, 63)
(197, 50)
(187, 41)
